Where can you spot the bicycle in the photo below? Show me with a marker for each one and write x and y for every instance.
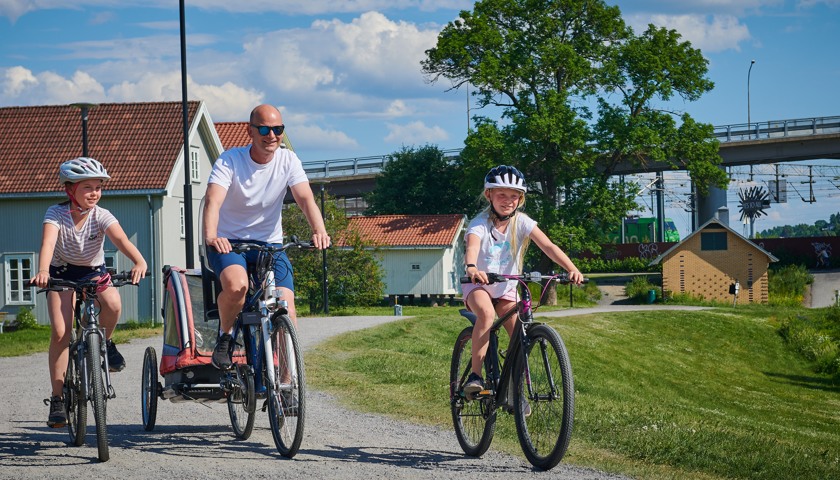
(274, 370)
(84, 381)
(534, 373)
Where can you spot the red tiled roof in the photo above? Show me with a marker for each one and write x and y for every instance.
(138, 143)
(409, 230)
(233, 134)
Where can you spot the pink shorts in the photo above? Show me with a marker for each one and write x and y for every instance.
(468, 288)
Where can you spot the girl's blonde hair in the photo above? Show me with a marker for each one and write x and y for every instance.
(517, 250)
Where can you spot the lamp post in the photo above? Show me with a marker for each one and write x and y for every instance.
(571, 292)
(749, 122)
(84, 107)
(325, 281)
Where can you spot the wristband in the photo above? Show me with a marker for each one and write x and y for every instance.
(471, 265)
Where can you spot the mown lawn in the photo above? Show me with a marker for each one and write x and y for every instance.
(711, 394)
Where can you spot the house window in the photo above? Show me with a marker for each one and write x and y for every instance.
(183, 223)
(713, 241)
(18, 272)
(415, 267)
(195, 166)
(111, 261)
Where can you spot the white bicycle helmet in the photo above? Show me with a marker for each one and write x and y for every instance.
(82, 168)
(505, 176)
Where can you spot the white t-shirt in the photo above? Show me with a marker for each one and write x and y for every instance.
(253, 206)
(494, 254)
(84, 247)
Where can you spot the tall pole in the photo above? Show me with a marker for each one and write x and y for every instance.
(749, 122)
(324, 259)
(571, 293)
(188, 212)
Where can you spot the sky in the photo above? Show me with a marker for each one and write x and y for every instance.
(346, 74)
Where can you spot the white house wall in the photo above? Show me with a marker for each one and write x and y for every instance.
(434, 275)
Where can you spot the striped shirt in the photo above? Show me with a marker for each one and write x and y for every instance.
(84, 247)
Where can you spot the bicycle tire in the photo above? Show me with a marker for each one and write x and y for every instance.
(75, 400)
(242, 403)
(149, 389)
(546, 433)
(97, 391)
(286, 420)
(474, 420)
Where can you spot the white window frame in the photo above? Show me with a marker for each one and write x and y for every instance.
(181, 221)
(111, 261)
(16, 286)
(195, 165)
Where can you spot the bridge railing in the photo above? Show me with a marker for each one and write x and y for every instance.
(741, 132)
(348, 167)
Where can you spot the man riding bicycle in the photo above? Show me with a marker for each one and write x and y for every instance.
(244, 202)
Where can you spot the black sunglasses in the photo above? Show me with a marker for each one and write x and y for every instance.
(264, 129)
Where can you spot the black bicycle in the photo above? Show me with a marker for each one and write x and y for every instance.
(274, 369)
(84, 380)
(532, 379)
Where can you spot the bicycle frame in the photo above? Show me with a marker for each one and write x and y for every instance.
(502, 380)
(254, 321)
(86, 323)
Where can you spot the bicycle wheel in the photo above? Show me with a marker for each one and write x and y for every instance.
(97, 391)
(149, 389)
(75, 400)
(474, 420)
(546, 383)
(286, 394)
(242, 403)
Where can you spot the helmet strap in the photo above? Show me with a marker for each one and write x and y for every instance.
(70, 190)
(503, 217)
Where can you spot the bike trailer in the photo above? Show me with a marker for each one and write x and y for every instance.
(190, 332)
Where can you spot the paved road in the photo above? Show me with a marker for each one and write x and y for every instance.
(195, 441)
(826, 283)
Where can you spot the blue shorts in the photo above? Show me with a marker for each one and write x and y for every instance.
(282, 266)
(77, 273)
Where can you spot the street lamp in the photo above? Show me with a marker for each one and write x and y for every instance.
(84, 107)
(749, 123)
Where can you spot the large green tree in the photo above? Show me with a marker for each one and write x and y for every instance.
(355, 277)
(578, 94)
(418, 181)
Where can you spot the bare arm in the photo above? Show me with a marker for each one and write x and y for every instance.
(118, 237)
(306, 201)
(556, 254)
(471, 256)
(48, 239)
(213, 199)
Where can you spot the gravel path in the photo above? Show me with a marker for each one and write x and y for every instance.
(194, 441)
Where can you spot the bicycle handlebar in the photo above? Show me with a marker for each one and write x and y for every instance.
(58, 284)
(561, 278)
(241, 247)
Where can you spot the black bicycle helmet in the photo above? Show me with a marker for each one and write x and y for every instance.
(505, 176)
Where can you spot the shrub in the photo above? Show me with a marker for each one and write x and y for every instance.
(812, 339)
(637, 289)
(26, 319)
(629, 264)
(786, 285)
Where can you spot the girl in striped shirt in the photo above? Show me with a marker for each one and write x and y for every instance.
(72, 249)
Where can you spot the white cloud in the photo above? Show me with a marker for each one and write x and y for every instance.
(415, 133)
(709, 34)
(16, 80)
(14, 9)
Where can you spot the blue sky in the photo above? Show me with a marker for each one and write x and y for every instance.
(346, 74)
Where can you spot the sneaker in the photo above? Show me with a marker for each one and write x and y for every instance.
(474, 385)
(58, 415)
(526, 408)
(116, 362)
(290, 403)
(221, 354)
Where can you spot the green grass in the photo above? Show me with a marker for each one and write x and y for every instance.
(37, 339)
(712, 394)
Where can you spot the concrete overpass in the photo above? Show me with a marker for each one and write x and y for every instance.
(756, 143)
